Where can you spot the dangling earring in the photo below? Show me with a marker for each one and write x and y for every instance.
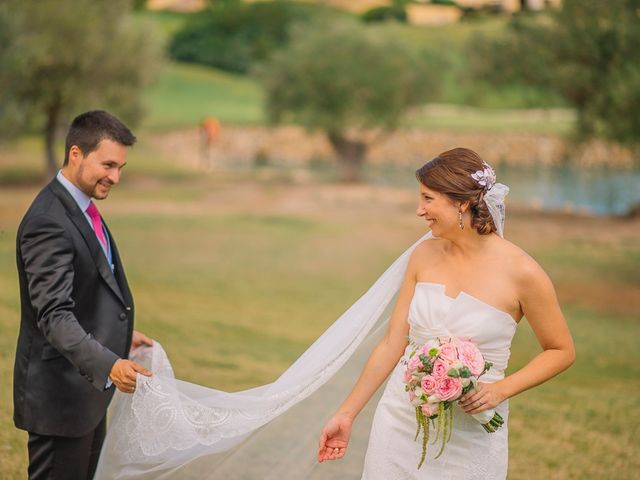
(460, 220)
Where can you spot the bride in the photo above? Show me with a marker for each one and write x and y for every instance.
(467, 282)
(460, 280)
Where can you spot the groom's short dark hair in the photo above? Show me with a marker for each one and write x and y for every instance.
(88, 129)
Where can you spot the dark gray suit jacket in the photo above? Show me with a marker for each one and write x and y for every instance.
(76, 319)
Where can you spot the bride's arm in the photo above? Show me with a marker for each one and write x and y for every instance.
(539, 304)
(385, 356)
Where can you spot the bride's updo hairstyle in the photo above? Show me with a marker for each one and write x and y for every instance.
(451, 173)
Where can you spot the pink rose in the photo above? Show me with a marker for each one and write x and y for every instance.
(448, 388)
(412, 395)
(429, 409)
(429, 384)
(407, 376)
(440, 369)
(414, 363)
(471, 357)
(448, 352)
(424, 349)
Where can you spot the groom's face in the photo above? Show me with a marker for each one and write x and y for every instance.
(98, 171)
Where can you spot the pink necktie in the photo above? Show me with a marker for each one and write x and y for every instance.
(92, 210)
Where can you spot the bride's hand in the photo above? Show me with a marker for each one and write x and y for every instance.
(335, 438)
(483, 397)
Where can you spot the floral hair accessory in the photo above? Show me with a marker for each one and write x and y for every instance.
(485, 177)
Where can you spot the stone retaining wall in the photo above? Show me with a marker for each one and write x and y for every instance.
(294, 146)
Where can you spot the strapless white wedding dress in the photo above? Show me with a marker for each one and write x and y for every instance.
(471, 453)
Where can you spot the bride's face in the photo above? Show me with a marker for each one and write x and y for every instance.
(440, 213)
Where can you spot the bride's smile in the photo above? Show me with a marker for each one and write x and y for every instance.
(438, 211)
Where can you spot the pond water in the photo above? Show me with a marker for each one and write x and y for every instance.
(599, 191)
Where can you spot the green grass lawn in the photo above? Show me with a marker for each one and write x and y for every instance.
(184, 94)
(450, 43)
(452, 118)
(235, 283)
(167, 22)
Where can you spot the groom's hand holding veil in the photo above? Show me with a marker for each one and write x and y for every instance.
(335, 438)
(124, 372)
(138, 340)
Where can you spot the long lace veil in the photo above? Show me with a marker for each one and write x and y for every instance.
(174, 429)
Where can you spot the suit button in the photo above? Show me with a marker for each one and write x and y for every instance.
(123, 316)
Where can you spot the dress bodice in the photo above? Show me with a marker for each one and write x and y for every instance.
(434, 314)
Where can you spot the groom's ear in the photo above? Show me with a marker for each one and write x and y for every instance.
(75, 155)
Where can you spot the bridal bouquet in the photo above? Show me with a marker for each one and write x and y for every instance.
(437, 374)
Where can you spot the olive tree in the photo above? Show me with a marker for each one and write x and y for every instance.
(348, 81)
(587, 52)
(61, 56)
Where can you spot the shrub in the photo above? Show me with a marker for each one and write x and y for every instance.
(234, 36)
(383, 14)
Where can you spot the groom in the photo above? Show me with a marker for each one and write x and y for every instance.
(76, 324)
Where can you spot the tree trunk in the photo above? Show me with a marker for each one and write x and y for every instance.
(351, 156)
(51, 127)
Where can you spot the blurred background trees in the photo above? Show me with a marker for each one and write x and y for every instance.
(583, 54)
(587, 52)
(386, 70)
(395, 11)
(234, 36)
(351, 83)
(61, 56)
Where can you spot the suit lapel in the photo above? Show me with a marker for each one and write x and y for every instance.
(80, 222)
(119, 270)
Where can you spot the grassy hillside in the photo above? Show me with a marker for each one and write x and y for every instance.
(184, 94)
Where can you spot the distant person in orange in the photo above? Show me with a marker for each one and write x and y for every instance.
(209, 133)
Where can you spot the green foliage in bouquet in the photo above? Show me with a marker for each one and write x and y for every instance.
(443, 428)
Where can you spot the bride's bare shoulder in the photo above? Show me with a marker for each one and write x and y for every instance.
(426, 252)
(524, 267)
